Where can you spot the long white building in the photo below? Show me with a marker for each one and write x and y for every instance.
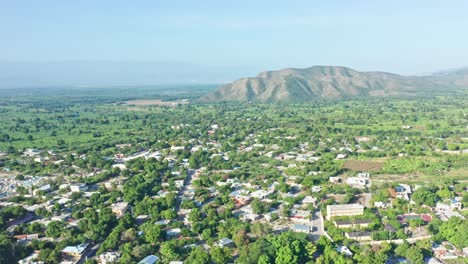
(344, 210)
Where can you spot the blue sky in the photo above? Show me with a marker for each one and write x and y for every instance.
(220, 40)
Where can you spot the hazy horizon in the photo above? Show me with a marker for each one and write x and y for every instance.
(111, 43)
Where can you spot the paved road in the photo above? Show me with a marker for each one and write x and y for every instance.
(89, 253)
(317, 225)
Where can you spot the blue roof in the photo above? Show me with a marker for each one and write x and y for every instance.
(75, 249)
(151, 259)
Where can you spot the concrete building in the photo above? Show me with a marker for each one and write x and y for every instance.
(78, 187)
(302, 228)
(359, 236)
(109, 257)
(344, 210)
(119, 209)
(362, 223)
(75, 251)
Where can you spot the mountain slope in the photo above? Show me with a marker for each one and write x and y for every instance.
(322, 82)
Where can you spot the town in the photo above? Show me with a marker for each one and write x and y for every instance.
(219, 192)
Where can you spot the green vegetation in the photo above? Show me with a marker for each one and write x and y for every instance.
(183, 172)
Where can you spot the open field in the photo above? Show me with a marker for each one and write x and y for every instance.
(358, 165)
(156, 102)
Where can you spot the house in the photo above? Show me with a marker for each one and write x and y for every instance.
(176, 262)
(44, 188)
(402, 191)
(344, 210)
(316, 189)
(382, 205)
(78, 187)
(26, 237)
(151, 259)
(299, 215)
(455, 204)
(261, 194)
(309, 200)
(359, 236)
(141, 219)
(356, 181)
(75, 251)
(341, 156)
(31, 152)
(179, 183)
(302, 228)
(362, 223)
(251, 217)
(119, 209)
(444, 251)
(173, 232)
(225, 242)
(31, 259)
(334, 179)
(109, 257)
(364, 175)
(345, 251)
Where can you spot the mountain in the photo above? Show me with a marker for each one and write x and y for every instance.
(328, 82)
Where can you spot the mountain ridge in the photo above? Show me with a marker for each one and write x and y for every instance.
(330, 82)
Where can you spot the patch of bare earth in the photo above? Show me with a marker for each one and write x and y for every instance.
(357, 165)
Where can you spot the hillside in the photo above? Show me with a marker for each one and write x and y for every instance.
(329, 82)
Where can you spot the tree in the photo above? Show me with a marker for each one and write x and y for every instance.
(168, 250)
(220, 255)
(7, 252)
(425, 196)
(35, 227)
(415, 255)
(286, 256)
(455, 230)
(260, 229)
(264, 259)
(257, 206)
(54, 229)
(198, 256)
(152, 233)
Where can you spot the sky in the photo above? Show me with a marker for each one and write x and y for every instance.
(112, 42)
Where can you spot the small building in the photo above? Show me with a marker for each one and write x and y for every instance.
(301, 228)
(382, 205)
(299, 215)
(150, 259)
(251, 217)
(309, 200)
(173, 232)
(341, 156)
(455, 204)
(141, 219)
(360, 223)
(334, 179)
(316, 189)
(109, 257)
(344, 210)
(119, 209)
(44, 188)
(345, 251)
(75, 251)
(179, 183)
(225, 242)
(78, 187)
(359, 236)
